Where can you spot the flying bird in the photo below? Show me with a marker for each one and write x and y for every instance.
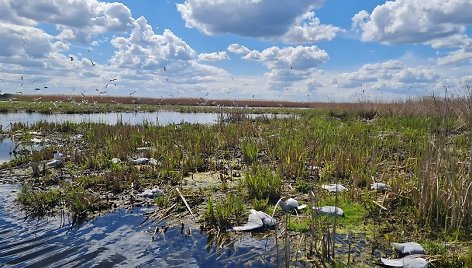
(93, 63)
(71, 58)
(165, 68)
(114, 79)
(37, 89)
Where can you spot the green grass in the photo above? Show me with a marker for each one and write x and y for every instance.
(262, 183)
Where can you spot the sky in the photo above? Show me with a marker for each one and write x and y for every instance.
(298, 50)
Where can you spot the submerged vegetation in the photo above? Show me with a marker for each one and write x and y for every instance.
(424, 155)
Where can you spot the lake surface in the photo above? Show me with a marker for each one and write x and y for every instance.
(161, 118)
(116, 240)
(157, 118)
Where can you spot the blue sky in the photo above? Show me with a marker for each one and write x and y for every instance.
(304, 50)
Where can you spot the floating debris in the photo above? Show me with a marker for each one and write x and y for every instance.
(379, 186)
(151, 193)
(256, 220)
(408, 248)
(334, 187)
(330, 210)
(411, 261)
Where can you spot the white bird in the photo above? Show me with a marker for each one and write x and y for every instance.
(54, 163)
(151, 193)
(58, 156)
(330, 210)
(408, 248)
(411, 261)
(379, 186)
(140, 161)
(256, 220)
(334, 187)
(290, 205)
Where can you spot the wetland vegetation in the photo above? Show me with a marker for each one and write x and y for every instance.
(422, 150)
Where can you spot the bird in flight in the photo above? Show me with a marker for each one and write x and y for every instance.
(37, 89)
(114, 79)
(165, 68)
(93, 63)
(71, 58)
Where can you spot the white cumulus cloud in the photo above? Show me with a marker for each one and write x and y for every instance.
(288, 64)
(414, 21)
(238, 49)
(214, 56)
(308, 29)
(254, 18)
(79, 20)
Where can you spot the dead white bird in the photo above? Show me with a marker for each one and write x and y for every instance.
(256, 220)
(408, 248)
(379, 186)
(410, 261)
(334, 187)
(58, 156)
(54, 163)
(330, 210)
(290, 205)
(140, 161)
(151, 193)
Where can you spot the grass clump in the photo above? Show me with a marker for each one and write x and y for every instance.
(249, 152)
(225, 211)
(39, 203)
(263, 183)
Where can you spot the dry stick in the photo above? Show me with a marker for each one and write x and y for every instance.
(287, 254)
(378, 204)
(335, 219)
(349, 252)
(277, 246)
(185, 202)
(312, 231)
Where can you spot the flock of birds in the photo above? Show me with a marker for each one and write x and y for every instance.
(110, 82)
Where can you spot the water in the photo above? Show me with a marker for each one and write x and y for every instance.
(161, 118)
(6, 146)
(116, 239)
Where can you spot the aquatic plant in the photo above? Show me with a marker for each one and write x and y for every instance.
(263, 183)
(224, 211)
